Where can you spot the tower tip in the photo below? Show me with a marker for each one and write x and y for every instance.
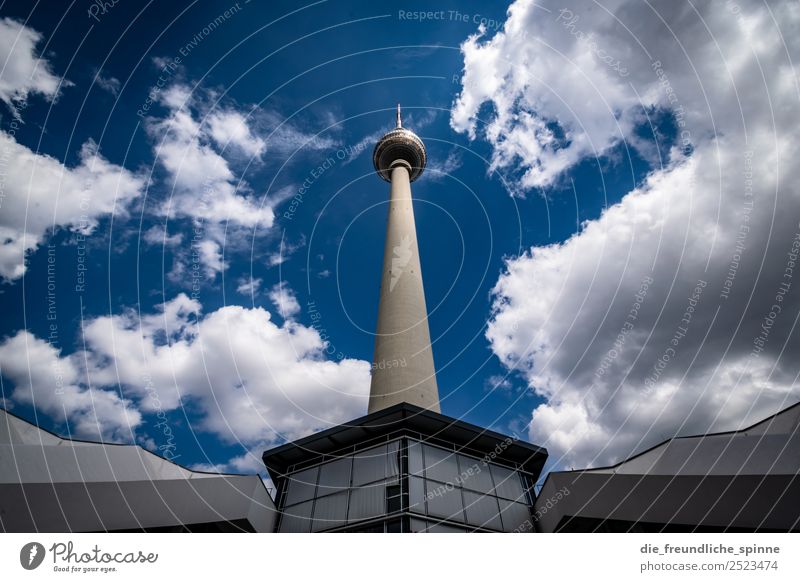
(399, 123)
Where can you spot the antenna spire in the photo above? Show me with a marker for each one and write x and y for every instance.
(399, 123)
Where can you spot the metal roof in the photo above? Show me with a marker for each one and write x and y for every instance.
(54, 484)
(406, 418)
(742, 480)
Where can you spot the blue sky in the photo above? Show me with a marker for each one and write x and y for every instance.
(194, 166)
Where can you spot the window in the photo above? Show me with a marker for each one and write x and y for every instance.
(369, 465)
(301, 486)
(334, 477)
(416, 495)
(440, 464)
(514, 515)
(444, 501)
(367, 501)
(482, 510)
(330, 511)
(297, 519)
(415, 466)
(393, 459)
(507, 483)
(440, 485)
(475, 474)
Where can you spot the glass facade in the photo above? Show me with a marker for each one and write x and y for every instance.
(405, 485)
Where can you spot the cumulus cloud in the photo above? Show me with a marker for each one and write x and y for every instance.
(284, 300)
(558, 84)
(189, 144)
(23, 72)
(199, 145)
(210, 253)
(254, 381)
(204, 185)
(37, 193)
(553, 103)
(250, 380)
(40, 194)
(673, 312)
(53, 384)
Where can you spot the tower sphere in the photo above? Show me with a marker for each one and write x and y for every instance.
(399, 144)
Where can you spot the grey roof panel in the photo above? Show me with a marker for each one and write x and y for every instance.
(747, 480)
(52, 484)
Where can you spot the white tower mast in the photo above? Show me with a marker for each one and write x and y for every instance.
(402, 369)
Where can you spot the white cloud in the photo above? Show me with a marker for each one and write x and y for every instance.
(185, 149)
(37, 192)
(285, 251)
(497, 382)
(198, 146)
(585, 73)
(210, 255)
(203, 184)
(440, 171)
(53, 385)
(249, 286)
(230, 128)
(40, 194)
(23, 72)
(247, 463)
(209, 467)
(537, 76)
(110, 84)
(250, 380)
(157, 236)
(284, 300)
(365, 144)
(284, 137)
(562, 313)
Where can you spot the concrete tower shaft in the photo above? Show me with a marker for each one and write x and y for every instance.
(403, 368)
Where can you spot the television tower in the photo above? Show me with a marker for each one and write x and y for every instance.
(402, 367)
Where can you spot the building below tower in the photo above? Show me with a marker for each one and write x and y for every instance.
(405, 469)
